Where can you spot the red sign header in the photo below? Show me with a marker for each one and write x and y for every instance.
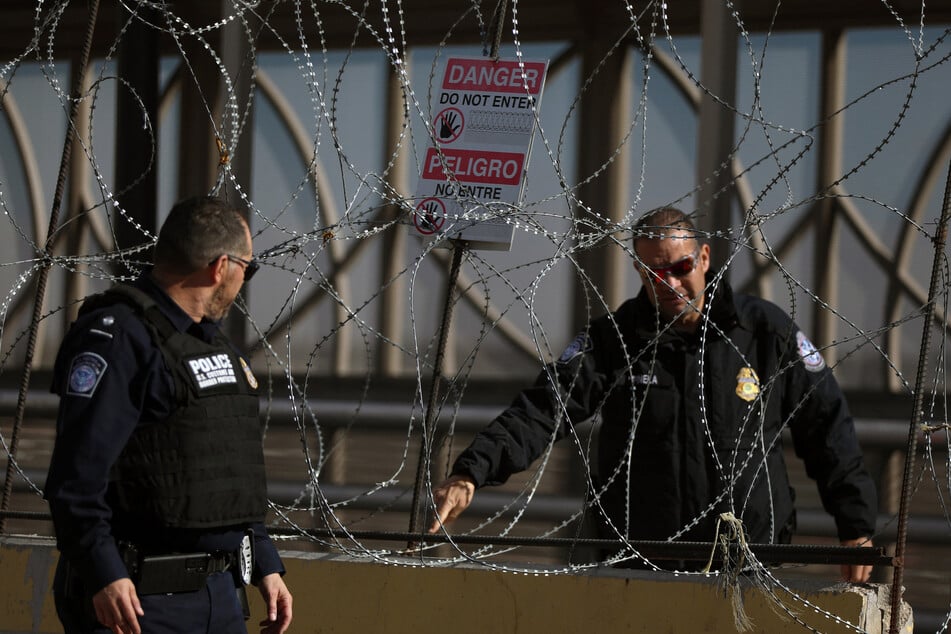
(486, 75)
(467, 166)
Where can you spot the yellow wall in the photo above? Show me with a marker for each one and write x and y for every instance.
(336, 595)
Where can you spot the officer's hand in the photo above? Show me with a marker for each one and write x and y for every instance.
(117, 607)
(278, 601)
(452, 497)
(857, 573)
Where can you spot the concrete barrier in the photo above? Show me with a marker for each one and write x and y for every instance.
(342, 595)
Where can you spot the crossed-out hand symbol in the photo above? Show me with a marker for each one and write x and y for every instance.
(430, 218)
(448, 126)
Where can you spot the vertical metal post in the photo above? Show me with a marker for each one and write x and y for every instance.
(717, 123)
(417, 520)
(82, 63)
(237, 58)
(603, 160)
(826, 228)
(940, 240)
(389, 357)
(198, 155)
(76, 286)
(236, 55)
(136, 146)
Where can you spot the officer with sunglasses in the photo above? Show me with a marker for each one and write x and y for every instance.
(693, 385)
(156, 483)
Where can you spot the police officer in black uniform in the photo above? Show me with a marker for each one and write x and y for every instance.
(156, 484)
(694, 386)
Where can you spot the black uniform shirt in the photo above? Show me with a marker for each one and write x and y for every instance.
(110, 375)
(691, 424)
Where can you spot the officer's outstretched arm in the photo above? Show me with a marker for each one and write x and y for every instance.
(452, 497)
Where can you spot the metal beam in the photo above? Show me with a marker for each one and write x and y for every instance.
(826, 227)
(428, 21)
(136, 129)
(234, 110)
(716, 189)
(392, 283)
(603, 159)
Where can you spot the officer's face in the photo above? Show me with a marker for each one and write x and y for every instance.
(231, 283)
(672, 269)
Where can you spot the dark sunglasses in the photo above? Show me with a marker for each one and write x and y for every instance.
(250, 266)
(681, 268)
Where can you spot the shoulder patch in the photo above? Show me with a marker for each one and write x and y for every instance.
(808, 353)
(85, 373)
(579, 345)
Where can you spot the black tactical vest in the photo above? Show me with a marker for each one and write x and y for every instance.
(203, 466)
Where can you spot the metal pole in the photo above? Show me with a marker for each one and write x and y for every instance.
(940, 239)
(136, 145)
(237, 58)
(826, 227)
(603, 161)
(389, 357)
(716, 189)
(45, 254)
(417, 517)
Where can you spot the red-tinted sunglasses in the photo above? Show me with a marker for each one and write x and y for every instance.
(681, 268)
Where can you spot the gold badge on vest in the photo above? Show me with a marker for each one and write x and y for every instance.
(747, 384)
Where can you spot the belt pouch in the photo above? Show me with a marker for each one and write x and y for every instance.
(162, 574)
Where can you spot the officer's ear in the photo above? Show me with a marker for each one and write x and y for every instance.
(704, 256)
(217, 269)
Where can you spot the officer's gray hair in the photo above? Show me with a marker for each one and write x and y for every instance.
(659, 222)
(196, 232)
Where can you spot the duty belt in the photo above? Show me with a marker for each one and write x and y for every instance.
(176, 572)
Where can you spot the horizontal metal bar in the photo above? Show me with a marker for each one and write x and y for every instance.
(930, 530)
(766, 553)
(396, 416)
(662, 550)
(27, 515)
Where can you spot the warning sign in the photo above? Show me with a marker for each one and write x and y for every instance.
(481, 140)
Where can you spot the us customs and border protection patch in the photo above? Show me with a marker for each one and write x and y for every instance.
(808, 353)
(85, 373)
(579, 345)
(747, 384)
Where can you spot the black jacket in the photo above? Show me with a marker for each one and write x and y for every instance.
(691, 424)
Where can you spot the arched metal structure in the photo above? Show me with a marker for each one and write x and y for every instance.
(587, 36)
(606, 269)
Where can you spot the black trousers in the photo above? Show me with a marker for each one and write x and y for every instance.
(214, 609)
